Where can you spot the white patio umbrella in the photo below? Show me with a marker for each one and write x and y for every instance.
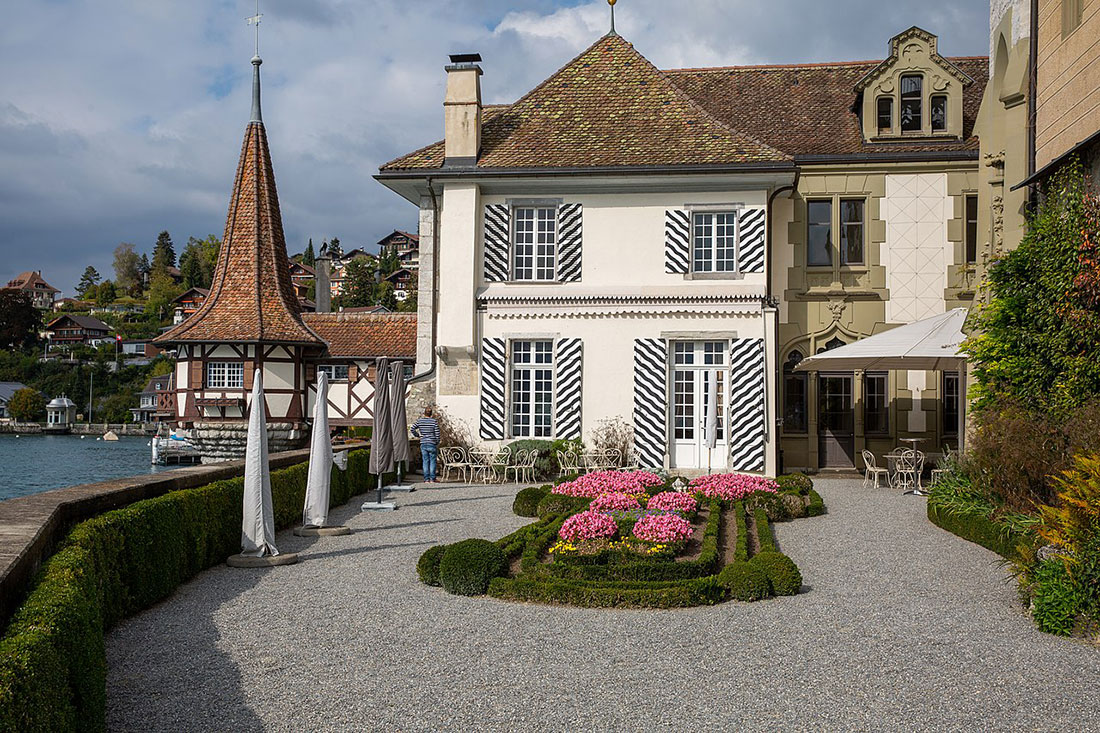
(710, 436)
(258, 515)
(319, 481)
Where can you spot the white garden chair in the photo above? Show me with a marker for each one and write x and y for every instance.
(568, 464)
(872, 471)
(908, 473)
(524, 466)
(455, 459)
(499, 463)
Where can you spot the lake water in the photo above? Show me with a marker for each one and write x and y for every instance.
(33, 463)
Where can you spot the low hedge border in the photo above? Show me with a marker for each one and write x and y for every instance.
(526, 503)
(677, 594)
(980, 530)
(816, 507)
(52, 658)
(741, 549)
(764, 536)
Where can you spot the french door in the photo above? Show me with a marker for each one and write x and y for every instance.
(696, 365)
(835, 421)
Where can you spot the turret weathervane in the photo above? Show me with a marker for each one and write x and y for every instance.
(255, 20)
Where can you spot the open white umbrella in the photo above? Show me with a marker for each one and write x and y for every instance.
(258, 521)
(927, 345)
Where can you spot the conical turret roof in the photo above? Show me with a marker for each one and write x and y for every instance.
(251, 297)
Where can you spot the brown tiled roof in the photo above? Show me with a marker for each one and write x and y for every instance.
(28, 280)
(363, 335)
(83, 321)
(252, 297)
(611, 107)
(810, 109)
(607, 107)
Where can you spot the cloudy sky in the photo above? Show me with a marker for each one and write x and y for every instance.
(120, 118)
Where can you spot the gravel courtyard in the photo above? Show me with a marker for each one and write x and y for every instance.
(900, 626)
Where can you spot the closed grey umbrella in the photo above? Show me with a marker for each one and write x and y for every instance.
(398, 418)
(381, 448)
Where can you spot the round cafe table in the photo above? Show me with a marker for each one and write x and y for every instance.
(913, 442)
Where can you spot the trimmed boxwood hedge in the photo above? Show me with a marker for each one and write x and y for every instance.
(561, 504)
(816, 507)
(741, 549)
(427, 567)
(798, 483)
(764, 536)
(52, 658)
(783, 575)
(527, 500)
(676, 594)
(467, 567)
(745, 581)
(979, 530)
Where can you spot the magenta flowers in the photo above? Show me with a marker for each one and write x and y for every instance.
(732, 486)
(671, 501)
(663, 528)
(587, 525)
(614, 501)
(594, 484)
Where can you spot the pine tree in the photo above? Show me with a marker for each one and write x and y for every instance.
(144, 269)
(334, 249)
(164, 252)
(308, 258)
(190, 266)
(88, 280)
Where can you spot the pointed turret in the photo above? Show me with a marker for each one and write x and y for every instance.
(251, 297)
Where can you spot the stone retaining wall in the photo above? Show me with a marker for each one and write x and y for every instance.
(31, 526)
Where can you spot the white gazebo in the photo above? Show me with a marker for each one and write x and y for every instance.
(931, 344)
(60, 412)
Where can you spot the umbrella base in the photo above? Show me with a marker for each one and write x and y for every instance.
(268, 561)
(399, 487)
(321, 531)
(378, 506)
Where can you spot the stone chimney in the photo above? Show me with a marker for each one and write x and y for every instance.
(322, 283)
(462, 111)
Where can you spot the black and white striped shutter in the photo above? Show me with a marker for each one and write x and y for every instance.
(650, 401)
(750, 254)
(497, 226)
(567, 412)
(569, 242)
(494, 361)
(747, 426)
(677, 240)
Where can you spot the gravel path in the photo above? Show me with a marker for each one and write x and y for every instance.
(901, 625)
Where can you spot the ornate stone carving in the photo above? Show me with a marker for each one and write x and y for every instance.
(940, 83)
(837, 308)
(995, 160)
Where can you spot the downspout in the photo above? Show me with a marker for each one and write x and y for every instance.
(769, 301)
(1032, 103)
(435, 264)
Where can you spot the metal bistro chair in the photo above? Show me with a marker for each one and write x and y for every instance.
(613, 459)
(455, 459)
(910, 466)
(872, 471)
(592, 460)
(501, 461)
(481, 463)
(524, 466)
(631, 462)
(568, 463)
(947, 457)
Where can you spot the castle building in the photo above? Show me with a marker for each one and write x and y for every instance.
(624, 239)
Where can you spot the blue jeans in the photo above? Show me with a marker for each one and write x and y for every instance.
(427, 460)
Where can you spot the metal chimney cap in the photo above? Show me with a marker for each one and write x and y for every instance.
(465, 58)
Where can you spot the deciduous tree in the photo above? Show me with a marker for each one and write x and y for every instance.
(128, 269)
(20, 321)
(27, 404)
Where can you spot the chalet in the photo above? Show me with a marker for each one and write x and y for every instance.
(623, 240)
(251, 323)
(187, 303)
(404, 245)
(403, 281)
(71, 330)
(7, 389)
(147, 409)
(302, 276)
(41, 292)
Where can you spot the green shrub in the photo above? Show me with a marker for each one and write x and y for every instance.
(467, 567)
(52, 658)
(778, 507)
(981, 530)
(1056, 598)
(527, 501)
(561, 504)
(676, 594)
(741, 549)
(745, 581)
(783, 574)
(764, 537)
(798, 483)
(816, 507)
(427, 567)
(546, 465)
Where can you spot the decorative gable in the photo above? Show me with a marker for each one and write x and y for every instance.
(915, 92)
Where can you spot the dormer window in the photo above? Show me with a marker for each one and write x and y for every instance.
(885, 115)
(911, 103)
(938, 112)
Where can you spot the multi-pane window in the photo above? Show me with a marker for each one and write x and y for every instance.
(950, 403)
(335, 372)
(819, 234)
(532, 389)
(715, 242)
(885, 115)
(224, 375)
(534, 245)
(1071, 16)
(876, 403)
(912, 96)
(851, 231)
(937, 112)
(794, 395)
(971, 229)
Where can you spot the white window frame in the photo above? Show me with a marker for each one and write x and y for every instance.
(333, 370)
(524, 426)
(533, 272)
(733, 218)
(224, 375)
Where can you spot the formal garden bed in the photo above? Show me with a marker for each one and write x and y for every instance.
(635, 539)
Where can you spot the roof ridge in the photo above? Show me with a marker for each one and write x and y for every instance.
(807, 65)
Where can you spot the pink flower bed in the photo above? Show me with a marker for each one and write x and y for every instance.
(591, 485)
(671, 501)
(663, 528)
(614, 501)
(731, 486)
(587, 525)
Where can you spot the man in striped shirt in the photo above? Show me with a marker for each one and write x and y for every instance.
(427, 429)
